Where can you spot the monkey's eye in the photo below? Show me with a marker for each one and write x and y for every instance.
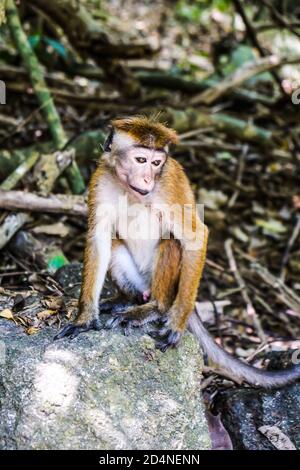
(141, 159)
(156, 162)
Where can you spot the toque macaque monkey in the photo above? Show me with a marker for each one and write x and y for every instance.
(157, 266)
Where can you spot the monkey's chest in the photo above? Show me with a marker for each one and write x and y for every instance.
(141, 232)
(143, 253)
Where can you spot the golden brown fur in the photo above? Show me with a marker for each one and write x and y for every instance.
(146, 132)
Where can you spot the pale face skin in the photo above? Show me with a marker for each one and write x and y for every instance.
(138, 168)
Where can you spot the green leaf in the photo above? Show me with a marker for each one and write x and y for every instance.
(57, 46)
(271, 226)
(57, 262)
(34, 40)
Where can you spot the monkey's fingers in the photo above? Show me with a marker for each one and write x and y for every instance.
(114, 322)
(168, 339)
(72, 330)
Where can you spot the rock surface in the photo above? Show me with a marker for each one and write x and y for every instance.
(244, 411)
(100, 391)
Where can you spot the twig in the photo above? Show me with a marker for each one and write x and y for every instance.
(253, 38)
(239, 176)
(57, 203)
(171, 82)
(12, 180)
(261, 27)
(192, 118)
(221, 373)
(289, 246)
(240, 281)
(281, 20)
(8, 120)
(285, 294)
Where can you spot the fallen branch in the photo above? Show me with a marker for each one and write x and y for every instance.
(241, 75)
(191, 118)
(171, 82)
(53, 203)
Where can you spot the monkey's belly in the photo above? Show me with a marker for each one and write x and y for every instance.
(143, 253)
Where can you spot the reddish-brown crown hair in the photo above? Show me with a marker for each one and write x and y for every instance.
(147, 131)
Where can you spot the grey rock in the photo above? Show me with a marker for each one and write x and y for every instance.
(244, 411)
(100, 391)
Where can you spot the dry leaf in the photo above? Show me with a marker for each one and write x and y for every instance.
(46, 314)
(32, 330)
(58, 228)
(279, 440)
(6, 313)
(53, 303)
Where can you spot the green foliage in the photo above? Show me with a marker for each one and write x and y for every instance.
(191, 11)
(57, 46)
(57, 262)
(35, 40)
(240, 56)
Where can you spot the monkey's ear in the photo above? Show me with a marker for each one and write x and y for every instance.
(108, 141)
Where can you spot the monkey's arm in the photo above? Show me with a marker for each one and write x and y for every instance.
(96, 261)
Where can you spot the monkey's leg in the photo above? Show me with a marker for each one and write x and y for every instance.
(192, 263)
(165, 279)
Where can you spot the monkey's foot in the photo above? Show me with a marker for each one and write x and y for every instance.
(72, 330)
(167, 338)
(133, 317)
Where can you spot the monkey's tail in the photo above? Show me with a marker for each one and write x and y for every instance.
(239, 369)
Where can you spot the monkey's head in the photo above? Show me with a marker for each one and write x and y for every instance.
(137, 149)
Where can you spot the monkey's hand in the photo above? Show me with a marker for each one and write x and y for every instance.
(73, 329)
(168, 336)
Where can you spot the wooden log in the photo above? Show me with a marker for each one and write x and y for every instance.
(53, 203)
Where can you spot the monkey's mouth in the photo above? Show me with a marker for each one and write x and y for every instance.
(143, 192)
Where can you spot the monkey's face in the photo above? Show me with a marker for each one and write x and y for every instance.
(138, 168)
